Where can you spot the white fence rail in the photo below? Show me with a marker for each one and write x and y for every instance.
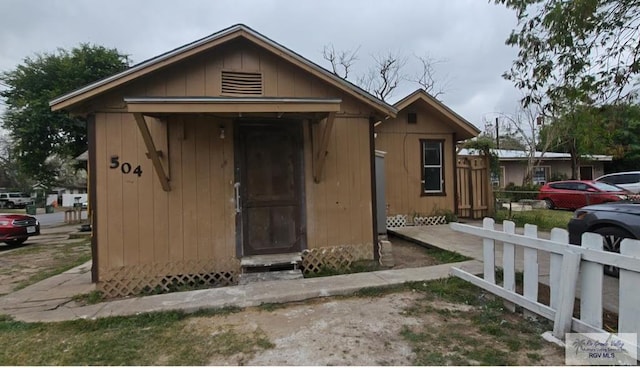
(568, 266)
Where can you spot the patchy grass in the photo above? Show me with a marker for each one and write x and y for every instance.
(460, 325)
(270, 307)
(483, 333)
(147, 339)
(93, 297)
(544, 219)
(50, 259)
(355, 267)
(445, 256)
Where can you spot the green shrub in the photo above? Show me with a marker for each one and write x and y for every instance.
(514, 193)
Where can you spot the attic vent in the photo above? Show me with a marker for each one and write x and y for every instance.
(412, 118)
(241, 83)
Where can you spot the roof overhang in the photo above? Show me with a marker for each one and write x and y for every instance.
(192, 105)
(74, 98)
(464, 129)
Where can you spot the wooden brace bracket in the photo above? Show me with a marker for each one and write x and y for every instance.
(152, 152)
(320, 151)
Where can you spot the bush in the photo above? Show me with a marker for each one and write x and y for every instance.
(514, 193)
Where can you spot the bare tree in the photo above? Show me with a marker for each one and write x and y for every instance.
(383, 78)
(387, 73)
(427, 79)
(341, 61)
(526, 125)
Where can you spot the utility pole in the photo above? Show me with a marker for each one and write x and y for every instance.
(497, 134)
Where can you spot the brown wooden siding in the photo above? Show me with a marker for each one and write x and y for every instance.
(403, 176)
(339, 208)
(196, 219)
(144, 224)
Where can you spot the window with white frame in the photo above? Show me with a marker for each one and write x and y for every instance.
(432, 166)
(541, 174)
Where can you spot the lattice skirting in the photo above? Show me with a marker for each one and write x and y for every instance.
(430, 220)
(338, 257)
(397, 221)
(401, 220)
(134, 280)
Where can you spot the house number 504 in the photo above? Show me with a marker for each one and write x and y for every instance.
(125, 167)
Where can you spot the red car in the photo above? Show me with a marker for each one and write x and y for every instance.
(16, 229)
(574, 194)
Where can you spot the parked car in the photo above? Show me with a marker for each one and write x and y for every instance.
(15, 199)
(16, 229)
(628, 180)
(573, 194)
(614, 221)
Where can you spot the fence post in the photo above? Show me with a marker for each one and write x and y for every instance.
(591, 284)
(509, 263)
(629, 318)
(555, 266)
(489, 252)
(567, 293)
(530, 289)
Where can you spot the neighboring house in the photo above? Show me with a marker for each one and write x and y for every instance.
(225, 150)
(552, 166)
(420, 160)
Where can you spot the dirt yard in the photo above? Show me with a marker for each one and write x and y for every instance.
(40, 257)
(408, 327)
(387, 330)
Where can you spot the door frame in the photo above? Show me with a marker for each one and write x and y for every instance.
(297, 128)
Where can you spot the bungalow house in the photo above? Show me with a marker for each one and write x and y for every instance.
(551, 166)
(233, 152)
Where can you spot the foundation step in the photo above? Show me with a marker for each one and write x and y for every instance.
(251, 277)
(266, 261)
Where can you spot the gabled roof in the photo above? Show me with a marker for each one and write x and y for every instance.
(463, 127)
(183, 52)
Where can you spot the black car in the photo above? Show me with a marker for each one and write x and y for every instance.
(614, 221)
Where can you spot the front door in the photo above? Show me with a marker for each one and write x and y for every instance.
(586, 172)
(269, 169)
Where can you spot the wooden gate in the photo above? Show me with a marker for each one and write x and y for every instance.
(474, 194)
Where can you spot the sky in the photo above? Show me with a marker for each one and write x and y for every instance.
(466, 36)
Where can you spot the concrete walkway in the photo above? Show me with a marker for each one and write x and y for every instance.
(52, 299)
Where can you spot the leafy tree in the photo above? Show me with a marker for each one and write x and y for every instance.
(36, 132)
(581, 51)
(624, 124)
(580, 131)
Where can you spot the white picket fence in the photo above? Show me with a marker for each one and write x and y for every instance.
(568, 265)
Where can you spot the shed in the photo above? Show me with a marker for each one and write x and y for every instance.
(420, 165)
(226, 149)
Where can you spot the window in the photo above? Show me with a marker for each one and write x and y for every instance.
(497, 178)
(540, 174)
(625, 178)
(432, 168)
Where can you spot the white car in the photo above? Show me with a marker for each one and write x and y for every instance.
(629, 180)
(15, 199)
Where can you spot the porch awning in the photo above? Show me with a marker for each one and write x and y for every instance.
(186, 105)
(154, 106)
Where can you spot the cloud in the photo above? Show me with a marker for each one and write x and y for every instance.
(468, 34)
